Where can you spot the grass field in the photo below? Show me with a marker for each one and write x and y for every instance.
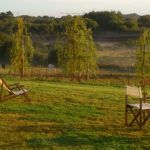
(115, 56)
(69, 116)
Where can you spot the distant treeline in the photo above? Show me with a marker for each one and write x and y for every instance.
(46, 26)
(104, 20)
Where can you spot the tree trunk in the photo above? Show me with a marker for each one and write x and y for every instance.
(79, 76)
(22, 60)
(22, 69)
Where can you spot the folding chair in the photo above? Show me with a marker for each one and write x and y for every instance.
(12, 90)
(140, 111)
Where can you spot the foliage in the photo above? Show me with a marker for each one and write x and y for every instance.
(91, 24)
(114, 21)
(53, 56)
(131, 25)
(39, 58)
(43, 29)
(76, 49)
(143, 55)
(22, 50)
(144, 21)
(5, 46)
(7, 22)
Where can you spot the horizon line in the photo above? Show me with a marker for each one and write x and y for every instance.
(19, 13)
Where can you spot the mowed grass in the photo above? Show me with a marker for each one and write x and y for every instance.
(67, 116)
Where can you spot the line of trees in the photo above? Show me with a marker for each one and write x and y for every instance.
(48, 27)
(75, 49)
(104, 20)
(116, 21)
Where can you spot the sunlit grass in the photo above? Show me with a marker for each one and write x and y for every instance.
(69, 116)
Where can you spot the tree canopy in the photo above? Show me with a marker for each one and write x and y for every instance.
(76, 50)
(144, 21)
(114, 21)
(22, 50)
(143, 56)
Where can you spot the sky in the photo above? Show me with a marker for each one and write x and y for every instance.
(60, 8)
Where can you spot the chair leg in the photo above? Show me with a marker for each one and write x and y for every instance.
(135, 117)
(145, 118)
(126, 116)
(141, 122)
(140, 117)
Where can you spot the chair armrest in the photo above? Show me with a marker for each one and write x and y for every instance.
(19, 87)
(14, 84)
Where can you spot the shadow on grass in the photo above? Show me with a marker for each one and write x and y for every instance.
(12, 107)
(11, 146)
(56, 129)
(95, 142)
(40, 129)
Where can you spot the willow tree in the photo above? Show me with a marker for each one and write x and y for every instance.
(22, 49)
(143, 57)
(76, 49)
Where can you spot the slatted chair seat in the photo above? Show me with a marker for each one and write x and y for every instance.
(20, 92)
(12, 91)
(145, 106)
(140, 111)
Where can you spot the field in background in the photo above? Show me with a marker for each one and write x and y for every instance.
(116, 56)
(116, 52)
(69, 116)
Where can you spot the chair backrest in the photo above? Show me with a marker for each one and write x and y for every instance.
(2, 83)
(134, 91)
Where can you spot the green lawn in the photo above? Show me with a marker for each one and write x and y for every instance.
(65, 116)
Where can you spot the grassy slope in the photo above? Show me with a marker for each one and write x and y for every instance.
(69, 116)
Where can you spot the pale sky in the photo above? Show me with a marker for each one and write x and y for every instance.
(59, 8)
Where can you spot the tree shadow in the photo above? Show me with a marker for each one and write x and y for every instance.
(13, 145)
(96, 142)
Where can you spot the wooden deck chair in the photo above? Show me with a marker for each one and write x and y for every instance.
(12, 90)
(140, 111)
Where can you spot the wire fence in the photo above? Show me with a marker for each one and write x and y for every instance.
(41, 72)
